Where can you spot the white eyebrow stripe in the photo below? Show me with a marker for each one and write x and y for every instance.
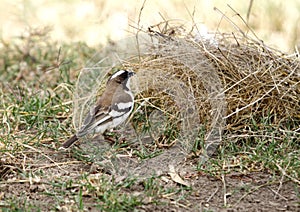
(117, 74)
(124, 105)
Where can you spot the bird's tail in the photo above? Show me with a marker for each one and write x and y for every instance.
(70, 142)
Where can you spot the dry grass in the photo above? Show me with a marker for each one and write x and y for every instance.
(240, 91)
(231, 78)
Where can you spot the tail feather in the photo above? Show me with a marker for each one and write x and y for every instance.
(70, 142)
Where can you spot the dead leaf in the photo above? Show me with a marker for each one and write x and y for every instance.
(175, 177)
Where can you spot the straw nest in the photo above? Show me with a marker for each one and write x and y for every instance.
(238, 84)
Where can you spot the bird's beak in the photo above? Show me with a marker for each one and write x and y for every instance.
(131, 74)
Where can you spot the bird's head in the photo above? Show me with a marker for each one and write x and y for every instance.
(121, 77)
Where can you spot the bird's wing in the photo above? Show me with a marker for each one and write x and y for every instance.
(97, 116)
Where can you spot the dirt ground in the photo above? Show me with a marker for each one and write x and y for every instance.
(46, 187)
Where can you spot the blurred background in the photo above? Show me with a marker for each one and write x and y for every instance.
(95, 22)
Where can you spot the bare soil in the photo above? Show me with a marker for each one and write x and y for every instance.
(235, 191)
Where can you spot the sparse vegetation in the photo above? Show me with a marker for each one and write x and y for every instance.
(257, 160)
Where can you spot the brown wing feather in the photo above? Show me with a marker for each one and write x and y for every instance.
(92, 119)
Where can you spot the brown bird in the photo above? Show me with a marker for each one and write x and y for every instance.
(111, 110)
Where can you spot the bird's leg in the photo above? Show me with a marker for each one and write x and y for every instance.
(109, 136)
(119, 134)
(113, 136)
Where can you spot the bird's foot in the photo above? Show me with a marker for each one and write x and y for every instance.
(113, 136)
